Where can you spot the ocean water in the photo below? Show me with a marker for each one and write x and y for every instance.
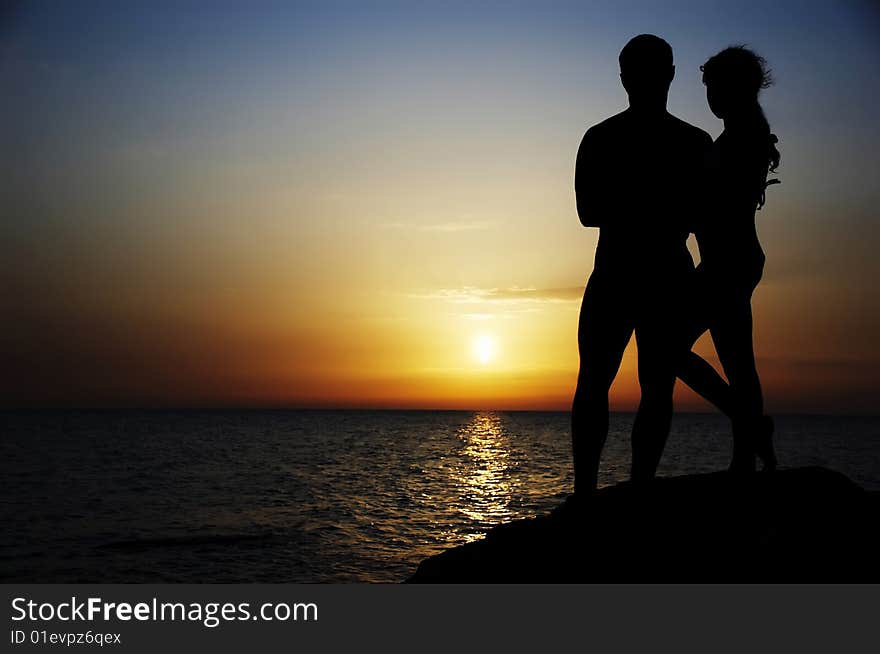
(317, 496)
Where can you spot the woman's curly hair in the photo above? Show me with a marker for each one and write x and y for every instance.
(745, 73)
(739, 68)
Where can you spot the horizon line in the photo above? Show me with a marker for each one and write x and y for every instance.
(255, 408)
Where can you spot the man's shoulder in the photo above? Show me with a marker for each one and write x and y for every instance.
(609, 126)
(605, 135)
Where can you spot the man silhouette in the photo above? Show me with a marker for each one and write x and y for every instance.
(632, 181)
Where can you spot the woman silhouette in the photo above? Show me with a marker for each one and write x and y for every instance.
(732, 260)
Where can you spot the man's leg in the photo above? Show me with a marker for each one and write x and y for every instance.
(604, 329)
(657, 356)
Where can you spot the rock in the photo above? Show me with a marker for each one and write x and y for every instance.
(797, 525)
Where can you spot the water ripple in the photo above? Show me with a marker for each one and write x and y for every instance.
(316, 496)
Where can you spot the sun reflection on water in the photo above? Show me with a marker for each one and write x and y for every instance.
(483, 478)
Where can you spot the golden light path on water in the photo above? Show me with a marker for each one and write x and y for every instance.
(483, 481)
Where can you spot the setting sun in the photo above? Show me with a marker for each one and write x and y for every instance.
(484, 348)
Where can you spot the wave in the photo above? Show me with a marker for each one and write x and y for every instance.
(140, 544)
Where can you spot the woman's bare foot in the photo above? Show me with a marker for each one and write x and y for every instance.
(764, 443)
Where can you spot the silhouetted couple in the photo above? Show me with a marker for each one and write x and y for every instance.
(647, 179)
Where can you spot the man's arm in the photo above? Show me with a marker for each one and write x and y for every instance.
(590, 188)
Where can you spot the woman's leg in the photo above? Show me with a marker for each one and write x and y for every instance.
(752, 431)
(691, 368)
(732, 334)
(697, 373)
(704, 380)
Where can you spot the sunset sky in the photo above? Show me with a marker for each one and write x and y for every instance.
(371, 204)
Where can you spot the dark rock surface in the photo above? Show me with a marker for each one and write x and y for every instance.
(799, 525)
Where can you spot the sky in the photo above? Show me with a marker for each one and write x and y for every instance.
(370, 204)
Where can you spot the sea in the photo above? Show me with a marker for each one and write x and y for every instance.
(319, 496)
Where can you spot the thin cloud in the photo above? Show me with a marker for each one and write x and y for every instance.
(448, 228)
(504, 296)
(476, 316)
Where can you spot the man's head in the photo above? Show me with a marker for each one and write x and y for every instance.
(646, 70)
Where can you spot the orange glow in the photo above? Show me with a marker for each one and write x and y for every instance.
(338, 222)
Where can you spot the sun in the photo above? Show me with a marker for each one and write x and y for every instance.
(484, 348)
